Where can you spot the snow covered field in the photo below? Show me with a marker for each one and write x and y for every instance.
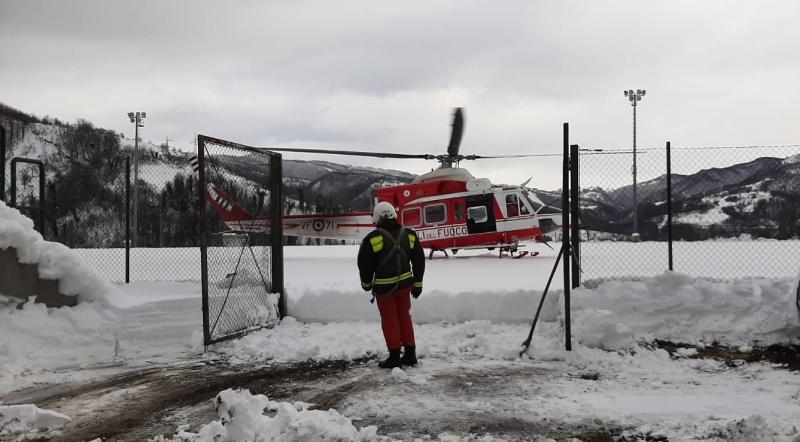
(711, 259)
(666, 357)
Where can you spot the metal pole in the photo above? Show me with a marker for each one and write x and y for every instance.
(201, 190)
(136, 181)
(161, 221)
(127, 219)
(669, 204)
(635, 199)
(575, 215)
(42, 225)
(13, 201)
(565, 223)
(276, 222)
(2, 163)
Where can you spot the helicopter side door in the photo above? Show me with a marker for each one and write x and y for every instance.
(480, 213)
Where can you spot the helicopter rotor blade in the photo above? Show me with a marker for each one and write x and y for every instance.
(490, 157)
(358, 153)
(456, 133)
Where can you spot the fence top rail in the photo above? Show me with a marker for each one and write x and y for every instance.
(594, 150)
(204, 139)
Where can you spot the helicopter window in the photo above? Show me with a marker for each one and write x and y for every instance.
(435, 214)
(523, 208)
(478, 214)
(534, 201)
(458, 211)
(512, 205)
(411, 217)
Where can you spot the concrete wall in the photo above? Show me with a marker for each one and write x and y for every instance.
(22, 281)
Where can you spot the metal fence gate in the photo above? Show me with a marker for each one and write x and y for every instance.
(240, 193)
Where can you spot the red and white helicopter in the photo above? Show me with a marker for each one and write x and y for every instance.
(447, 207)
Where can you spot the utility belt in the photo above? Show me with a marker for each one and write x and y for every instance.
(387, 286)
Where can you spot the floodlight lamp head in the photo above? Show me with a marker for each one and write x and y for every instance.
(144, 114)
(638, 92)
(643, 92)
(131, 116)
(624, 92)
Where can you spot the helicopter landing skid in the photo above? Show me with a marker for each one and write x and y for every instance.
(515, 249)
(430, 255)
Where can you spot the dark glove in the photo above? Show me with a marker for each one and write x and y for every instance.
(366, 287)
(416, 291)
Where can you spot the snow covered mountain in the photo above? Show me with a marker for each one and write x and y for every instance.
(760, 198)
(85, 187)
(85, 183)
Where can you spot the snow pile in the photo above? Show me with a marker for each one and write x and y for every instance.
(295, 341)
(685, 309)
(241, 417)
(56, 261)
(451, 305)
(37, 338)
(751, 428)
(614, 315)
(28, 421)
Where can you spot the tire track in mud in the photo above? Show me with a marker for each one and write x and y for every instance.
(142, 404)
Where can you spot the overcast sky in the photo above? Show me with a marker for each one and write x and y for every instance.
(375, 75)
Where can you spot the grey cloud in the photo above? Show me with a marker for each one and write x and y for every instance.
(384, 76)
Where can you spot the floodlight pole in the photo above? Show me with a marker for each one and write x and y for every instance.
(634, 97)
(136, 118)
(635, 196)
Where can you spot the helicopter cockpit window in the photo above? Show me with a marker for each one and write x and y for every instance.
(478, 214)
(512, 205)
(523, 207)
(534, 201)
(435, 214)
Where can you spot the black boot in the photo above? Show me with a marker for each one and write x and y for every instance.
(392, 361)
(410, 356)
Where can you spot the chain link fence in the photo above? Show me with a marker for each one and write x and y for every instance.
(242, 246)
(165, 236)
(734, 211)
(93, 209)
(87, 212)
(101, 196)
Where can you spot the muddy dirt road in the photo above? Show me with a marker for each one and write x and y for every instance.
(143, 403)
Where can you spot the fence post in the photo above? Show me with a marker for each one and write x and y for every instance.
(575, 215)
(669, 205)
(276, 221)
(565, 226)
(127, 219)
(2, 163)
(13, 201)
(201, 212)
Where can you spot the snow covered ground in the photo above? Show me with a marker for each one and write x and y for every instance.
(620, 379)
(723, 259)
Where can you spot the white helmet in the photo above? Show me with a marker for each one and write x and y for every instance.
(382, 211)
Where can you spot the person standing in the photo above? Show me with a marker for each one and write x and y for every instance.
(391, 264)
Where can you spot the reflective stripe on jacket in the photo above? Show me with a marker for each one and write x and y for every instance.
(391, 258)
